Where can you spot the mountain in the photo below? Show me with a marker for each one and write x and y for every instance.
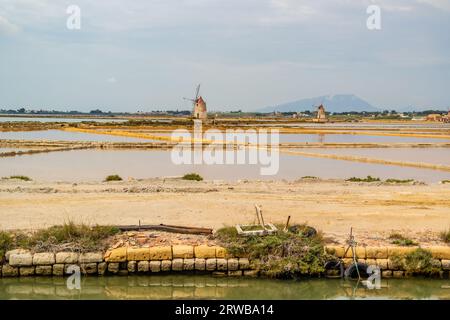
(332, 103)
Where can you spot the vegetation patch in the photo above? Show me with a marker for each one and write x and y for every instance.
(24, 178)
(113, 177)
(310, 177)
(367, 179)
(281, 254)
(445, 236)
(445, 181)
(399, 181)
(66, 237)
(401, 240)
(420, 261)
(192, 176)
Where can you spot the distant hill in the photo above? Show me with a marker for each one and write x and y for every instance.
(332, 103)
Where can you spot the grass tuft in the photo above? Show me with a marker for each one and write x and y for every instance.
(278, 255)
(420, 261)
(24, 178)
(445, 236)
(192, 176)
(69, 236)
(368, 179)
(399, 181)
(401, 240)
(113, 177)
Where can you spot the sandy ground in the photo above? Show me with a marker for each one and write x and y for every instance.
(373, 210)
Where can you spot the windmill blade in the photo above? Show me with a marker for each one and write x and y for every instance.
(197, 92)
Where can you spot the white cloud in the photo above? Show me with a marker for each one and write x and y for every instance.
(438, 4)
(6, 27)
(111, 80)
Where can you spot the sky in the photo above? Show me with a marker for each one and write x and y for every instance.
(142, 55)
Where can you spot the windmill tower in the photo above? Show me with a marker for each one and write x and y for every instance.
(198, 106)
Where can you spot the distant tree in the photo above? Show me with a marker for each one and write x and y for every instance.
(96, 111)
(21, 110)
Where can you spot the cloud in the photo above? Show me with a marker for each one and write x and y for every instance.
(6, 27)
(438, 4)
(111, 80)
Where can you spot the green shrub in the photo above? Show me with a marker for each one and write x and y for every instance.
(368, 179)
(281, 254)
(310, 177)
(114, 177)
(445, 181)
(420, 261)
(24, 178)
(79, 237)
(445, 236)
(399, 181)
(192, 176)
(401, 240)
(6, 242)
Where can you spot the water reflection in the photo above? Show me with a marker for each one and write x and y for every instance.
(208, 287)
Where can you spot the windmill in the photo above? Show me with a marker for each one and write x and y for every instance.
(198, 105)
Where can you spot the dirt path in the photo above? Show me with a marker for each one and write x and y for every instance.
(332, 206)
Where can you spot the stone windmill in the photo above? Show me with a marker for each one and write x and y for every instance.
(199, 106)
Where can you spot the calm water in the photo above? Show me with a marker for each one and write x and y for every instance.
(333, 138)
(207, 287)
(71, 120)
(95, 165)
(65, 136)
(427, 155)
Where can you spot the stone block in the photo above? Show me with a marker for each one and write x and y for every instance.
(69, 268)
(131, 266)
(205, 252)
(89, 268)
(222, 264)
(200, 264)
(219, 274)
(21, 259)
(188, 264)
(161, 253)
(386, 273)
(234, 273)
(211, 264)
(43, 259)
(116, 255)
(337, 251)
(9, 271)
(400, 251)
(382, 263)
(15, 251)
(398, 274)
(41, 270)
(67, 257)
(177, 264)
(182, 252)
(138, 254)
(101, 268)
(221, 252)
(155, 266)
(113, 267)
(58, 269)
(445, 264)
(91, 257)
(440, 252)
(26, 271)
(166, 265)
(233, 264)
(359, 251)
(244, 263)
(143, 266)
(376, 252)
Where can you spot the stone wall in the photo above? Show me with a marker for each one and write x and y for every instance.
(124, 261)
(383, 257)
(186, 258)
